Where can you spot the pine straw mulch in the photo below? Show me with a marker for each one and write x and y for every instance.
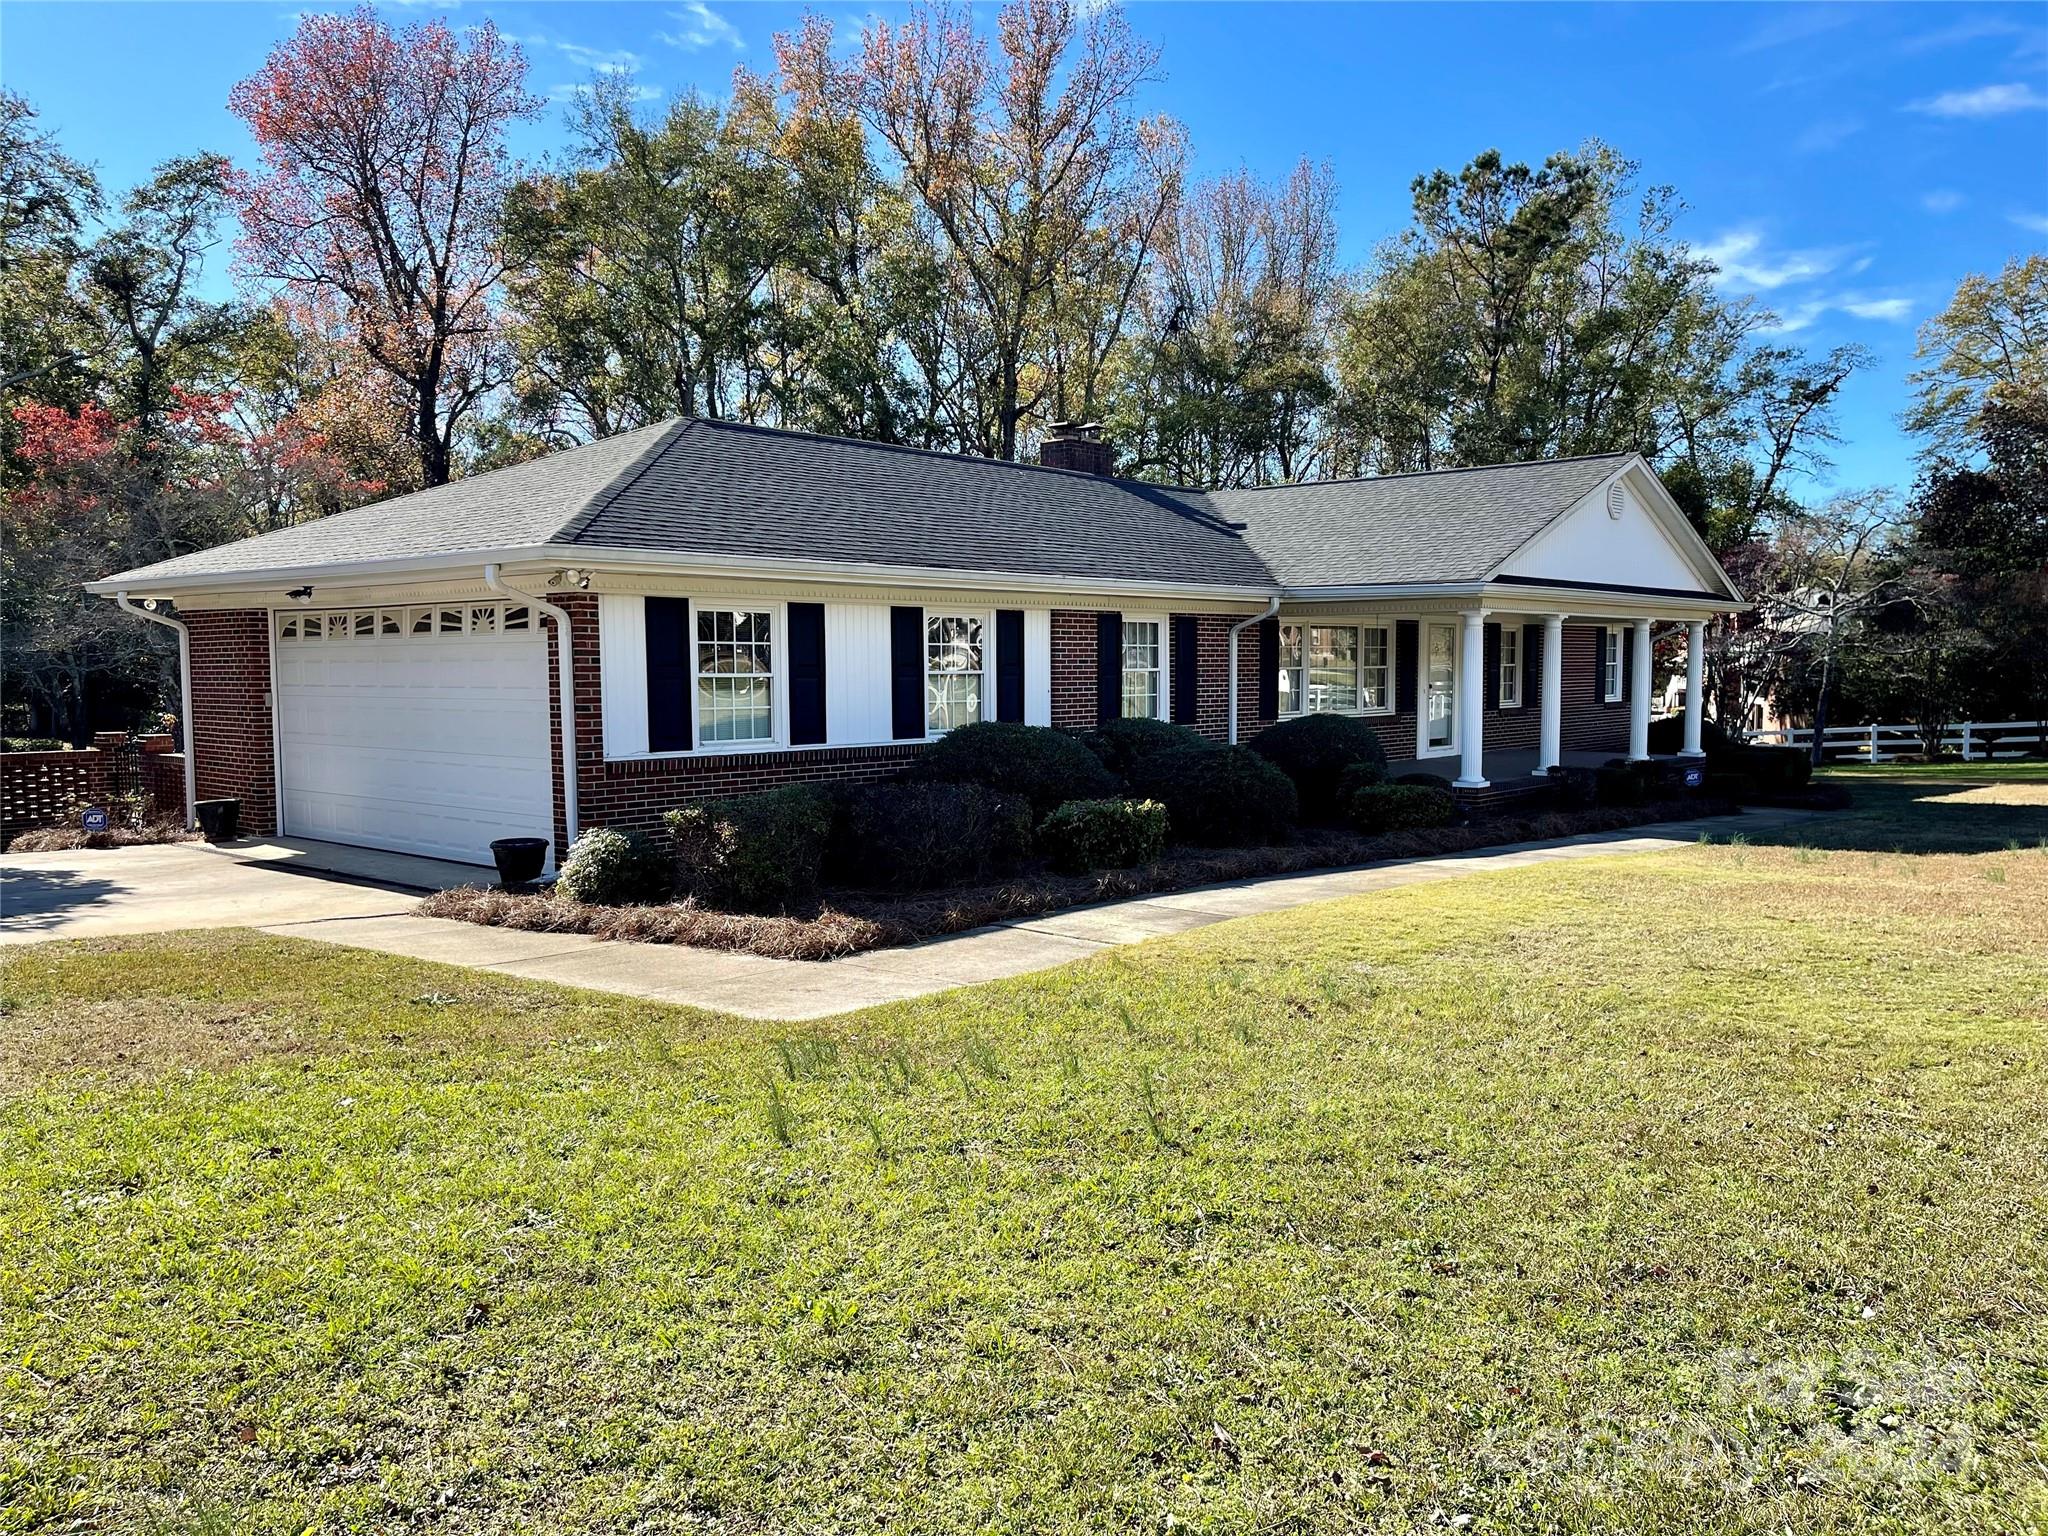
(64, 839)
(849, 922)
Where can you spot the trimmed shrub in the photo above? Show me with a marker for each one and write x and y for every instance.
(1045, 766)
(610, 868)
(912, 835)
(1667, 737)
(33, 744)
(1085, 835)
(1722, 784)
(1421, 780)
(1120, 743)
(752, 853)
(1315, 751)
(1777, 770)
(1219, 797)
(1379, 808)
(1360, 776)
(1619, 783)
(1574, 789)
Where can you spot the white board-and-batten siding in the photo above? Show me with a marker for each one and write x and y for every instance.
(857, 684)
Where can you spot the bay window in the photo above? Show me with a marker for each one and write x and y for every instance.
(955, 670)
(1335, 669)
(735, 676)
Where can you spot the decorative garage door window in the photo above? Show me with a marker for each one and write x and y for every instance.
(426, 620)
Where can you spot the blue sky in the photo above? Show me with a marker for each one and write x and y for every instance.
(1846, 163)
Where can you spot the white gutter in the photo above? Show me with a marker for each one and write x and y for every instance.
(672, 562)
(565, 685)
(184, 697)
(1272, 607)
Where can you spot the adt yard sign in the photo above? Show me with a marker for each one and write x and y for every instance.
(93, 818)
(1694, 777)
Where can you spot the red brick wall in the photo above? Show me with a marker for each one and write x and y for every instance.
(1074, 706)
(40, 789)
(1212, 675)
(1517, 730)
(1590, 724)
(230, 725)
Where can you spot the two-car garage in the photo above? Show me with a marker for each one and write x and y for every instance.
(420, 729)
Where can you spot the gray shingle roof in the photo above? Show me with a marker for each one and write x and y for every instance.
(1445, 526)
(699, 487)
(721, 489)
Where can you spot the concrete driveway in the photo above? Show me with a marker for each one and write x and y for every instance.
(94, 891)
(320, 891)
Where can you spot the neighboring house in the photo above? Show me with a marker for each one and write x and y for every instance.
(746, 608)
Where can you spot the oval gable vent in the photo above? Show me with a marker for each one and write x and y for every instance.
(1615, 500)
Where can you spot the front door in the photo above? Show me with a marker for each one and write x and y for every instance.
(1440, 688)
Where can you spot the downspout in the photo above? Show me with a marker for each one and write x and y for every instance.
(565, 686)
(184, 696)
(1272, 607)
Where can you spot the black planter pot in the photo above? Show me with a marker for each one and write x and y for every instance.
(520, 859)
(220, 821)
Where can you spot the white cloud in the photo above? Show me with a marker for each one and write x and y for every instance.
(2037, 222)
(1962, 32)
(1742, 262)
(633, 92)
(1827, 134)
(1984, 101)
(1795, 27)
(606, 61)
(1878, 309)
(1941, 200)
(1863, 306)
(699, 26)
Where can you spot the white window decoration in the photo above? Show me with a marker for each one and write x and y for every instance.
(1335, 669)
(735, 675)
(388, 621)
(955, 671)
(1510, 667)
(392, 623)
(1144, 690)
(1610, 664)
(484, 620)
(337, 626)
(288, 626)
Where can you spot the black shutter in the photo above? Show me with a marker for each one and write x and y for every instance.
(806, 673)
(1628, 651)
(1532, 663)
(1109, 666)
(1185, 640)
(1269, 669)
(1407, 637)
(668, 674)
(1010, 664)
(906, 673)
(1600, 664)
(1491, 651)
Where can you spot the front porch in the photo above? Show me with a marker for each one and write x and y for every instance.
(1509, 775)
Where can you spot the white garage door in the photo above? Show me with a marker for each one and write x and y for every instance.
(420, 729)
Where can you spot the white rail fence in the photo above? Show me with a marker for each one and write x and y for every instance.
(1975, 741)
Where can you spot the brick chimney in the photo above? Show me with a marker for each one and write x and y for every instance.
(1077, 445)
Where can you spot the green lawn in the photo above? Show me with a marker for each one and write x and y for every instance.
(1701, 1190)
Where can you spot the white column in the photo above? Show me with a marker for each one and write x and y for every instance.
(1639, 695)
(1472, 702)
(1695, 686)
(1550, 734)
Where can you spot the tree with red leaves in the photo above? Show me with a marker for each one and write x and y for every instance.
(384, 168)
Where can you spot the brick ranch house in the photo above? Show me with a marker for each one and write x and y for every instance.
(728, 608)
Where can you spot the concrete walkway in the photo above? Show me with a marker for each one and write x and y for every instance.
(141, 890)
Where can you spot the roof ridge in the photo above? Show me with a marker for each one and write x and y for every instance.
(1421, 474)
(673, 428)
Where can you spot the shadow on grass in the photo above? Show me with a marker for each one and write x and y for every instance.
(1912, 811)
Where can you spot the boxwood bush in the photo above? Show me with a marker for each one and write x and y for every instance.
(1044, 766)
(1316, 751)
(1085, 835)
(914, 834)
(1220, 797)
(753, 853)
(1377, 808)
(1120, 743)
(610, 868)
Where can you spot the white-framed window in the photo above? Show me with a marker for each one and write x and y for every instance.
(955, 670)
(1510, 666)
(735, 663)
(1610, 664)
(394, 623)
(1344, 669)
(1144, 669)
